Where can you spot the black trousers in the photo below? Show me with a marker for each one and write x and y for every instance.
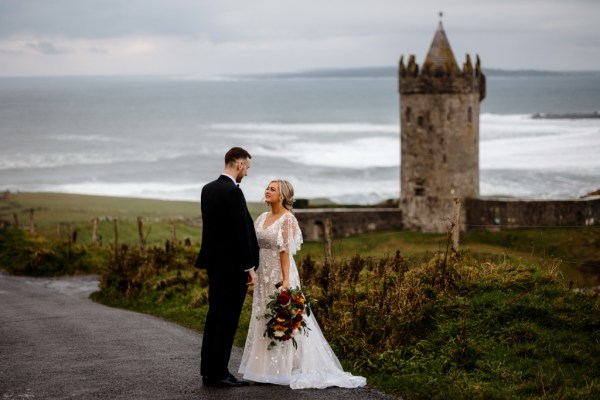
(226, 294)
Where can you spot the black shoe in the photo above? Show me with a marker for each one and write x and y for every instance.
(227, 382)
(244, 383)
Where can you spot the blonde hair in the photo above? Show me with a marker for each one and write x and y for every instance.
(287, 193)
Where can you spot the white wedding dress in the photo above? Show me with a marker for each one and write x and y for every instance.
(313, 364)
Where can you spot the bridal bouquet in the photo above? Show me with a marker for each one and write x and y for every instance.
(285, 315)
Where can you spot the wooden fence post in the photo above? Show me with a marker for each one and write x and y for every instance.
(456, 225)
(140, 226)
(69, 240)
(31, 221)
(94, 230)
(16, 219)
(116, 223)
(173, 234)
(327, 235)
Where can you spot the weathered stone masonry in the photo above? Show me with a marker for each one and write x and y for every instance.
(347, 221)
(508, 213)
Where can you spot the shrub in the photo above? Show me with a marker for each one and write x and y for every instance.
(22, 253)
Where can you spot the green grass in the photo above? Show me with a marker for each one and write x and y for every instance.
(578, 249)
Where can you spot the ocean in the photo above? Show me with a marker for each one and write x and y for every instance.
(332, 137)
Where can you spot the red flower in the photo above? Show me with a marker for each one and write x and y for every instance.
(282, 313)
(283, 298)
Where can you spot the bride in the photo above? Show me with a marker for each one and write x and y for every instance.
(313, 364)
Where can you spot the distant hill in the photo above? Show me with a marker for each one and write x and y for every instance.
(391, 72)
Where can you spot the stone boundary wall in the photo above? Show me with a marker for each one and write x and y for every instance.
(347, 221)
(487, 213)
(507, 213)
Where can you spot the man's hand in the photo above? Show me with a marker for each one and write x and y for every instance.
(251, 277)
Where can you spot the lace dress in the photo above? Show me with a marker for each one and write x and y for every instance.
(313, 364)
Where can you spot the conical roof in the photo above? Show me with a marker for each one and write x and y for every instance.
(440, 53)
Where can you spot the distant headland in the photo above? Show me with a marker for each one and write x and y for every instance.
(594, 114)
(392, 72)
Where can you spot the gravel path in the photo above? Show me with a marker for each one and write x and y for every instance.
(55, 343)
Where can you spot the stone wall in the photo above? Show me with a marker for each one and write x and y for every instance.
(347, 221)
(502, 212)
(476, 213)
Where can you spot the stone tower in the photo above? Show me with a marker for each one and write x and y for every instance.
(439, 130)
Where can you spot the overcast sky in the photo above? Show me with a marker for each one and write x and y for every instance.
(220, 37)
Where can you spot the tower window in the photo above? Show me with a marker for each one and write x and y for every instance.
(470, 114)
(420, 121)
(408, 114)
(419, 191)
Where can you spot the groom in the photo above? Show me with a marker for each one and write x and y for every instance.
(229, 253)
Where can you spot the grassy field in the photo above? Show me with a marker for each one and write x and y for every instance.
(53, 212)
(578, 249)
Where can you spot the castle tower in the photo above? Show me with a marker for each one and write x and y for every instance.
(439, 131)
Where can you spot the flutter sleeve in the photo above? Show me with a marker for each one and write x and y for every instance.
(289, 236)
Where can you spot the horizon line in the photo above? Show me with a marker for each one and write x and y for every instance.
(307, 73)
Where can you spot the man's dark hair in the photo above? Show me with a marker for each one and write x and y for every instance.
(235, 153)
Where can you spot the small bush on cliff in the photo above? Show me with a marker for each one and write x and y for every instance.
(22, 253)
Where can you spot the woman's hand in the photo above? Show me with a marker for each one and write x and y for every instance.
(285, 284)
(251, 277)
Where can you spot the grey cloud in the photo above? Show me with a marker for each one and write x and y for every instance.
(98, 18)
(45, 48)
(98, 50)
(233, 20)
(507, 29)
(215, 20)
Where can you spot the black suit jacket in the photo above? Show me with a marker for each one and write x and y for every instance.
(229, 241)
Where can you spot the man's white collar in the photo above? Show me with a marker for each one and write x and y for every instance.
(230, 177)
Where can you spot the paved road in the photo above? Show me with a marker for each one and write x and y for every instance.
(55, 343)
